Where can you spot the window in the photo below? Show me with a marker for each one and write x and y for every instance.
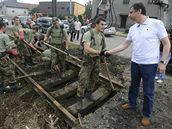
(13, 11)
(24, 11)
(49, 7)
(126, 1)
(62, 8)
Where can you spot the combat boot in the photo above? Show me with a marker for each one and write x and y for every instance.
(88, 95)
(79, 106)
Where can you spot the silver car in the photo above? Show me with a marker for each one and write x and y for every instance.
(107, 31)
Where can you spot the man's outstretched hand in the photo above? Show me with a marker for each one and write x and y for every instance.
(105, 53)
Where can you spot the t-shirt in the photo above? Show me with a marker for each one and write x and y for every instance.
(77, 25)
(145, 39)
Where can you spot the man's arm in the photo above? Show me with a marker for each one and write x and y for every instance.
(66, 37)
(119, 48)
(166, 49)
(47, 35)
(90, 50)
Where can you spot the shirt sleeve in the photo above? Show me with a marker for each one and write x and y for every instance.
(129, 38)
(87, 38)
(48, 32)
(161, 31)
(8, 44)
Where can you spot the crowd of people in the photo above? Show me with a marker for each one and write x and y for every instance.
(147, 64)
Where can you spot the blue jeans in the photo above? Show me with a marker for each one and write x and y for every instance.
(161, 76)
(147, 74)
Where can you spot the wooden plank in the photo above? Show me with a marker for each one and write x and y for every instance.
(98, 96)
(66, 91)
(49, 97)
(117, 85)
(70, 74)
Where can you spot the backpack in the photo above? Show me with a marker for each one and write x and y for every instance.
(92, 41)
(61, 31)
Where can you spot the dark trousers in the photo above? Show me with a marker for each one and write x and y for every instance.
(147, 74)
(72, 36)
(77, 32)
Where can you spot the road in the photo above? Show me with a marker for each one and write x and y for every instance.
(114, 41)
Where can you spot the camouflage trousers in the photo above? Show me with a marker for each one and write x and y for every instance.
(24, 50)
(57, 60)
(7, 72)
(88, 76)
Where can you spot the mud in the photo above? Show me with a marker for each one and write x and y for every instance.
(25, 109)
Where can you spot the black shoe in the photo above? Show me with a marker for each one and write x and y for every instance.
(88, 95)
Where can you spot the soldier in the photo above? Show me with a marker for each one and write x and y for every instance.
(7, 73)
(94, 46)
(29, 23)
(38, 38)
(58, 36)
(19, 41)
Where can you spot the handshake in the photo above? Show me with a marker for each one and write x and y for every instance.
(105, 53)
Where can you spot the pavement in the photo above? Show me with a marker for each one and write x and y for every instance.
(114, 41)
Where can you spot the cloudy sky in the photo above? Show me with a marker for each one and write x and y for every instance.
(37, 1)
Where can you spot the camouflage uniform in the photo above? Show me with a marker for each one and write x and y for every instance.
(7, 73)
(22, 47)
(89, 73)
(57, 40)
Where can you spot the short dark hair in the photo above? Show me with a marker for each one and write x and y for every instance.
(15, 17)
(138, 6)
(99, 19)
(2, 24)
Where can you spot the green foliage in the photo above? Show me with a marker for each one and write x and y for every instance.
(34, 10)
(61, 17)
(80, 19)
(88, 9)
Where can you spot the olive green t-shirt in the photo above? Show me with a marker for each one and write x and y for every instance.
(28, 35)
(57, 36)
(98, 40)
(5, 43)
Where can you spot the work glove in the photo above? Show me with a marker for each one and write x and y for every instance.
(102, 53)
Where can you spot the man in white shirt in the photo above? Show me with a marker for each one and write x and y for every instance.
(145, 36)
(77, 25)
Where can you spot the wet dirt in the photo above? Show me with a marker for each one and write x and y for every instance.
(25, 109)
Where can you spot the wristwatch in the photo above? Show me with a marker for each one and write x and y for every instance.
(163, 62)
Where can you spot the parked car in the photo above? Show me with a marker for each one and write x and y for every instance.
(23, 20)
(44, 23)
(4, 19)
(107, 31)
(66, 25)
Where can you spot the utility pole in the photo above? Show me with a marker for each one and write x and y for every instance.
(163, 5)
(54, 8)
(70, 7)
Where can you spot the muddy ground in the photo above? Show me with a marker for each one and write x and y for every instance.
(25, 109)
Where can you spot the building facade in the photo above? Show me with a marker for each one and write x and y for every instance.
(121, 8)
(11, 8)
(62, 8)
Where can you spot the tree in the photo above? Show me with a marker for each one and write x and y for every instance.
(80, 19)
(88, 9)
(34, 10)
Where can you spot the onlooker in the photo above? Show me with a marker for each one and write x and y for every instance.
(77, 25)
(71, 30)
(160, 77)
(145, 36)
